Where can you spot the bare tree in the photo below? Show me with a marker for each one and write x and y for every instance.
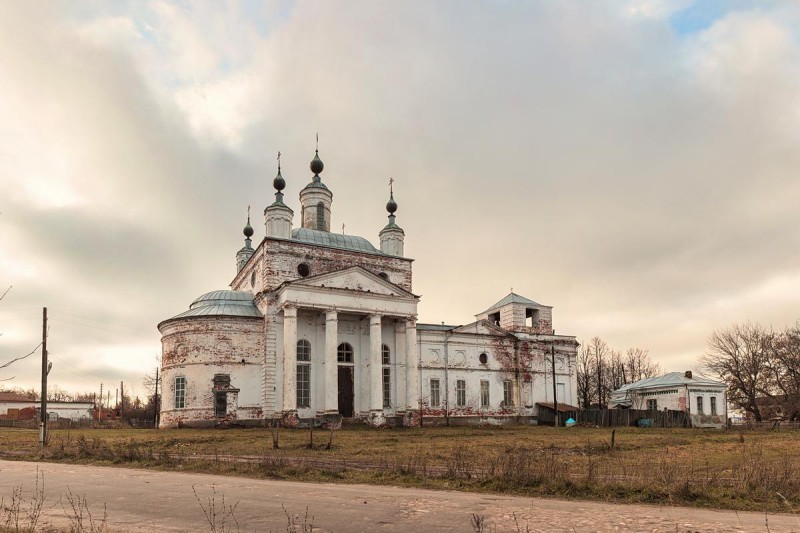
(639, 365)
(585, 377)
(600, 352)
(782, 391)
(740, 357)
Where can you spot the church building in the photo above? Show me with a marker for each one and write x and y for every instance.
(321, 325)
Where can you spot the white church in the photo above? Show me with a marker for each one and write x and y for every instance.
(321, 325)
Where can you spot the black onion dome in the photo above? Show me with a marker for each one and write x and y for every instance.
(279, 183)
(391, 205)
(316, 164)
(248, 230)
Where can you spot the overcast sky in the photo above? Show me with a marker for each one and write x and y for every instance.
(634, 164)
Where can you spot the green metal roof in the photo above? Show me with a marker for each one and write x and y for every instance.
(222, 303)
(334, 240)
(671, 379)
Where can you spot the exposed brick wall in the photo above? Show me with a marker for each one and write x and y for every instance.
(196, 348)
(281, 258)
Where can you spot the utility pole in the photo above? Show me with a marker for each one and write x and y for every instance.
(555, 389)
(155, 403)
(122, 397)
(45, 370)
(101, 397)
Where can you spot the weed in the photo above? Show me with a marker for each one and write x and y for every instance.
(219, 515)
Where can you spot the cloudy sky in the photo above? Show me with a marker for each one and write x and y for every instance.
(632, 163)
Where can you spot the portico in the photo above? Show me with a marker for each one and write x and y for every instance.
(350, 336)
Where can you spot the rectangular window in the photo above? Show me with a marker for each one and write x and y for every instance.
(699, 405)
(508, 393)
(713, 405)
(180, 392)
(484, 393)
(435, 395)
(461, 393)
(652, 405)
(387, 387)
(303, 385)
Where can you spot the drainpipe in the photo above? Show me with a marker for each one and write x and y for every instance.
(446, 381)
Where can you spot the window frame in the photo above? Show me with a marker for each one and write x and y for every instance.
(713, 401)
(461, 393)
(436, 392)
(343, 351)
(652, 404)
(386, 375)
(303, 385)
(180, 392)
(699, 403)
(508, 393)
(485, 393)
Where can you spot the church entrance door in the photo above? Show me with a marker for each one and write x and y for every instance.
(346, 391)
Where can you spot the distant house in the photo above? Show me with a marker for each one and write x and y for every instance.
(705, 400)
(23, 407)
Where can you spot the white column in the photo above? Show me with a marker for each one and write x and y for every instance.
(289, 358)
(400, 368)
(375, 364)
(412, 365)
(331, 404)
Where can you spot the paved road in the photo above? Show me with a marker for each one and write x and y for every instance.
(141, 500)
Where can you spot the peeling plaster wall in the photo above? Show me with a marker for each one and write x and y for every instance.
(199, 347)
(523, 361)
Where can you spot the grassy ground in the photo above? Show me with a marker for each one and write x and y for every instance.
(750, 470)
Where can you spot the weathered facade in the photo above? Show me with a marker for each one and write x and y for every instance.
(703, 399)
(323, 325)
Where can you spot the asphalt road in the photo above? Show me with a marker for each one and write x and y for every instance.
(141, 500)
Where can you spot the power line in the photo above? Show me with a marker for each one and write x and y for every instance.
(20, 357)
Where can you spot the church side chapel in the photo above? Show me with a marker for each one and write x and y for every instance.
(321, 325)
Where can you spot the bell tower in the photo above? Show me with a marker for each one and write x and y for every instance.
(316, 199)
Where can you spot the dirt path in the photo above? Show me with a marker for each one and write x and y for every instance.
(140, 500)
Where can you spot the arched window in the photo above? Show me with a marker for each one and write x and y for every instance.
(303, 373)
(345, 353)
(321, 216)
(386, 359)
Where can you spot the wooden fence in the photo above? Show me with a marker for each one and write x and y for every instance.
(617, 417)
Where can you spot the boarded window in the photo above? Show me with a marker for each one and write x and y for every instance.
(436, 397)
(344, 353)
(699, 405)
(508, 393)
(180, 392)
(303, 385)
(461, 393)
(494, 318)
(713, 405)
(220, 403)
(485, 393)
(652, 405)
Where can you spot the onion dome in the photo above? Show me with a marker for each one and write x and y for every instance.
(248, 229)
(316, 164)
(391, 205)
(279, 183)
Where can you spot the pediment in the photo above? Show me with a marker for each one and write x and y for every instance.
(354, 279)
(481, 327)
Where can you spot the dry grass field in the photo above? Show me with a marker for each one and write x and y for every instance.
(748, 470)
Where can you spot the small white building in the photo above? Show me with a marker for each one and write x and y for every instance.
(703, 399)
(321, 324)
